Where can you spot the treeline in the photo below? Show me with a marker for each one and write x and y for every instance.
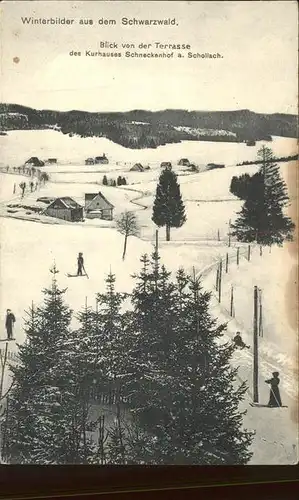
(281, 159)
(144, 129)
(156, 351)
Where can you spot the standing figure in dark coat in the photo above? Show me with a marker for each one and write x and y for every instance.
(80, 261)
(9, 323)
(274, 400)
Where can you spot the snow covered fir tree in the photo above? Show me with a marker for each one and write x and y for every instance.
(262, 217)
(47, 419)
(168, 209)
(175, 396)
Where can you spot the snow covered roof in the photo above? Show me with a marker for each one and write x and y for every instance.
(66, 201)
(90, 197)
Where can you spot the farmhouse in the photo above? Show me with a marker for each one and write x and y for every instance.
(35, 162)
(166, 164)
(51, 161)
(89, 161)
(184, 161)
(101, 159)
(97, 206)
(137, 168)
(65, 208)
(211, 166)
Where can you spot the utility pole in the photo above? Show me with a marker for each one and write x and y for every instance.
(229, 235)
(232, 302)
(157, 241)
(220, 281)
(255, 346)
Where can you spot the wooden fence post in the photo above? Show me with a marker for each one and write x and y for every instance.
(218, 235)
(238, 256)
(229, 235)
(220, 281)
(217, 278)
(232, 312)
(226, 263)
(249, 253)
(255, 346)
(261, 250)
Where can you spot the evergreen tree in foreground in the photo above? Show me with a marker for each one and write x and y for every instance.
(262, 218)
(184, 394)
(168, 209)
(46, 417)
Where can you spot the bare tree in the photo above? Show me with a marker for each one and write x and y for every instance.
(127, 225)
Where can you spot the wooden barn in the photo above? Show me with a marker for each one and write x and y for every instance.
(101, 159)
(65, 208)
(166, 164)
(212, 166)
(97, 206)
(34, 162)
(184, 162)
(137, 168)
(89, 161)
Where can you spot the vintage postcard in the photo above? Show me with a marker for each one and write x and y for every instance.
(148, 206)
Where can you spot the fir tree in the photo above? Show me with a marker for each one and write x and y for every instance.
(45, 414)
(184, 394)
(262, 218)
(168, 209)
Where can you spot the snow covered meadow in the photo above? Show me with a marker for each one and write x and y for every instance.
(29, 249)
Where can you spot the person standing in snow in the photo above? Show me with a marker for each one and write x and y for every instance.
(274, 400)
(9, 323)
(80, 261)
(31, 186)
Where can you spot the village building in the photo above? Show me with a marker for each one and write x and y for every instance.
(166, 164)
(184, 162)
(89, 161)
(65, 208)
(97, 206)
(211, 166)
(101, 159)
(137, 168)
(35, 162)
(52, 161)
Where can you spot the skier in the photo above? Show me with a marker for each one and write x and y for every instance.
(9, 323)
(239, 342)
(23, 187)
(14, 188)
(274, 400)
(31, 186)
(80, 261)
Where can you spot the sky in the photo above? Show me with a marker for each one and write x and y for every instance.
(258, 70)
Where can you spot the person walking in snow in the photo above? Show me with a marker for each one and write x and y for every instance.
(80, 261)
(23, 187)
(31, 186)
(239, 342)
(9, 323)
(274, 399)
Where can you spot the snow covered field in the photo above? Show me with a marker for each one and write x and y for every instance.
(29, 249)
(19, 145)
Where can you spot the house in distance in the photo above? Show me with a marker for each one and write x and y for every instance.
(139, 168)
(34, 162)
(166, 164)
(97, 206)
(184, 162)
(89, 161)
(65, 208)
(101, 159)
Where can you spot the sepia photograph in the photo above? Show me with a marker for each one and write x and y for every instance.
(148, 230)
